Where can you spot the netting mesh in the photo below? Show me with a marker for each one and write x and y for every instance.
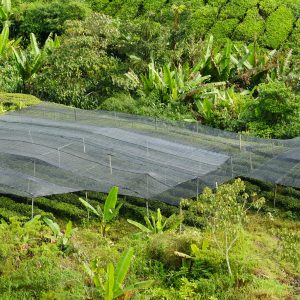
(50, 149)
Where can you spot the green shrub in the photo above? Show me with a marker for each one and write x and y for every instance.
(251, 28)
(163, 246)
(201, 20)
(223, 30)
(217, 3)
(42, 18)
(129, 10)
(237, 8)
(285, 202)
(61, 209)
(275, 112)
(278, 26)
(20, 209)
(98, 5)
(6, 214)
(120, 102)
(267, 7)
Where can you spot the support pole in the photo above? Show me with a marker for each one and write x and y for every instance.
(250, 160)
(34, 171)
(58, 152)
(75, 114)
(155, 122)
(231, 165)
(110, 165)
(147, 208)
(275, 194)
(180, 213)
(86, 199)
(197, 190)
(147, 148)
(83, 141)
(240, 136)
(217, 185)
(32, 208)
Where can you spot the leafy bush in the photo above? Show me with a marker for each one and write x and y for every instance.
(42, 18)
(251, 28)
(163, 247)
(223, 29)
(81, 72)
(237, 8)
(201, 20)
(282, 19)
(19, 209)
(61, 209)
(274, 111)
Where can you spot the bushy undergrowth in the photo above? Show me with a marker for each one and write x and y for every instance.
(184, 264)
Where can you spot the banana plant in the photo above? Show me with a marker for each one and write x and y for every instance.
(6, 45)
(110, 282)
(110, 210)
(175, 83)
(5, 11)
(156, 225)
(30, 61)
(62, 237)
(197, 254)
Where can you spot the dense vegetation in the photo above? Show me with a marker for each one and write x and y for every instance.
(230, 64)
(65, 260)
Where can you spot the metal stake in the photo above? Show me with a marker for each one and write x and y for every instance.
(83, 145)
(32, 207)
(86, 199)
(110, 166)
(147, 208)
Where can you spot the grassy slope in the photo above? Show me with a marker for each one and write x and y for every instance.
(9, 101)
(268, 277)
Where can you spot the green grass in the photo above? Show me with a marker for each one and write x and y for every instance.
(11, 101)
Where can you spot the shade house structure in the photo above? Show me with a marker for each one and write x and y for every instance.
(52, 149)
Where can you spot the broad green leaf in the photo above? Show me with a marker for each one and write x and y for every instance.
(53, 226)
(139, 225)
(89, 206)
(110, 282)
(110, 204)
(123, 265)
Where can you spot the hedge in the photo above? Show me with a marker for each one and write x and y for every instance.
(21, 209)
(278, 26)
(202, 20)
(223, 30)
(237, 8)
(252, 27)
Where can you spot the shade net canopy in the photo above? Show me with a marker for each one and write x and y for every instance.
(52, 149)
